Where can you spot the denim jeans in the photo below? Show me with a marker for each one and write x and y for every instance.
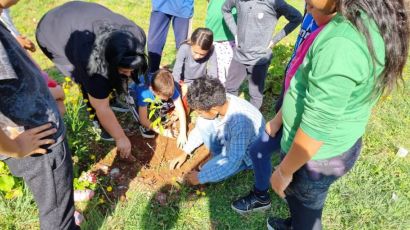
(50, 179)
(261, 152)
(307, 192)
(205, 132)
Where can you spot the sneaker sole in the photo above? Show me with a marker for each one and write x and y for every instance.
(120, 110)
(147, 136)
(107, 139)
(268, 225)
(260, 209)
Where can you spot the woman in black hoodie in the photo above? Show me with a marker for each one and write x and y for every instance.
(100, 50)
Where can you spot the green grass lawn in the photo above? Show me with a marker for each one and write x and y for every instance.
(361, 200)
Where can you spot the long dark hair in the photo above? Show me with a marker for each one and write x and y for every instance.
(124, 50)
(393, 23)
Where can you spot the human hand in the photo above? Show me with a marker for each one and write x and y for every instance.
(192, 178)
(26, 43)
(124, 148)
(29, 141)
(280, 181)
(181, 140)
(178, 161)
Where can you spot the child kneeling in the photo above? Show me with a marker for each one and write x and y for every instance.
(162, 96)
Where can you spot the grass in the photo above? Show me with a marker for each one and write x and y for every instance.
(360, 200)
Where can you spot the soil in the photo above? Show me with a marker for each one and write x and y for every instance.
(151, 168)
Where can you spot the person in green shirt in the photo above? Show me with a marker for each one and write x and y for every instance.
(357, 57)
(224, 41)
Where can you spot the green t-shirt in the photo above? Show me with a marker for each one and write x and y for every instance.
(331, 96)
(215, 21)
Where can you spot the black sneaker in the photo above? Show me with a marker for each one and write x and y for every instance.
(251, 203)
(105, 136)
(117, 106)
(274, 223)
(147, 133)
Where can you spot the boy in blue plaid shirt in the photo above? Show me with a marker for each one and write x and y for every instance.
(227, 125)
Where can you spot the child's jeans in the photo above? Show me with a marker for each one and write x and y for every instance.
(205, 132)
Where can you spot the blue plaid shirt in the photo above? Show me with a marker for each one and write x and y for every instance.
(240, 127)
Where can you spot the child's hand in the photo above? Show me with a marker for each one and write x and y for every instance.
(178, 161)
(192, 177)
(26, 43)
(29, 141)
(181, 140)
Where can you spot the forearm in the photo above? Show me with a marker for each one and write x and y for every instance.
(228, 17)
(110, 123)
(293, 16)
(8, 146)
(302, 150)
(278, 118)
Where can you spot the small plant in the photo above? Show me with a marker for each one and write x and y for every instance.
(155, 116)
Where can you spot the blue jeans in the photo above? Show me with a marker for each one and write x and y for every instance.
(307, 192)
(157, 35)
(261, 152)
(205, 132)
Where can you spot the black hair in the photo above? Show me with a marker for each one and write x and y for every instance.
(392, 21)
(124, 50)
(205, 93)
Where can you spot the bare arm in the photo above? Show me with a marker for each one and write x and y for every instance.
(110, 123)
(182, 137)
(143, 113)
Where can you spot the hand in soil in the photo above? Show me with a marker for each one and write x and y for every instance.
(123, 147)
(178, 161)
(192, 178)
(181, 140)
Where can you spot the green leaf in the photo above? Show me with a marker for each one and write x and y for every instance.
(151, 114)
(6, 183)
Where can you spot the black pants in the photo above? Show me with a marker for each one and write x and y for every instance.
(256, 75)
(50, 179)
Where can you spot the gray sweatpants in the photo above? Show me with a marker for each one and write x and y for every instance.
(256, 75)
(50, 179)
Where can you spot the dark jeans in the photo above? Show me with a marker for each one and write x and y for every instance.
(157, 35)
(261, 152)
(307, 192)
(50, 179)
(256, 75)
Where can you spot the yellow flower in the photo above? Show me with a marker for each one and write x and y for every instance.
(88, 109)
(101, 201)
(92, 157)
(91, 116)
(85, 100)
(109, 189)
(203, 193)
(67, 79)
(66, 91)
(198, 192)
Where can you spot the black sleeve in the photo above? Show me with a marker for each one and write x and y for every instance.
(98, 86)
